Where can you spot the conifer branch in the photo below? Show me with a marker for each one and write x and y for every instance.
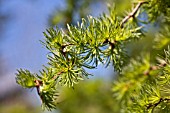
(150, 105)
(83, 46)
(133, 13)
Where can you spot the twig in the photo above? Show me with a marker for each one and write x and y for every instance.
(38, 83)
(59, 73)
(157, 103)
(152, 68)
(112, 44)
(133, 13)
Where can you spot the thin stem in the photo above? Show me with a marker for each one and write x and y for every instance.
(38, 83)
(59, 73)
(112, 44)
(157, 103)
(152, 68)
(133, 13)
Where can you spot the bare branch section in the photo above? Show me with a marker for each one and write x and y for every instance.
(156, 104)
(152, 68)
(133, 13)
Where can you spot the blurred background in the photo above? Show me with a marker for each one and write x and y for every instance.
(22, 23)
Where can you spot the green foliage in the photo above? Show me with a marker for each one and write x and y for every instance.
(47, 89)
(140, 86)
(67, 15)
(18, 107)
(45, 85)
(143, 85)
(92, 96)
(144, 88)
(25, 78)
(83, 46)
(131, 78)
(162, 40)
(73, 12)
(156, 8)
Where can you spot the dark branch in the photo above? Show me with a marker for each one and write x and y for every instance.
(133, 13)
(112, 44)
(157, 103)
(38, 83)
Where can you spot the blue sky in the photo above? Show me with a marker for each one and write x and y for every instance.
(20, 45)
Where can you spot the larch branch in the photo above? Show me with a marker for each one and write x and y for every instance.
(133, 13)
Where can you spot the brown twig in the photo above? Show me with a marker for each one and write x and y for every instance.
(133, 13)
(38, 83)
(152, 68)
(112, 44)
(157, 103)
(59, 73)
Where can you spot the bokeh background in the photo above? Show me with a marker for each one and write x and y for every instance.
(22, 23)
